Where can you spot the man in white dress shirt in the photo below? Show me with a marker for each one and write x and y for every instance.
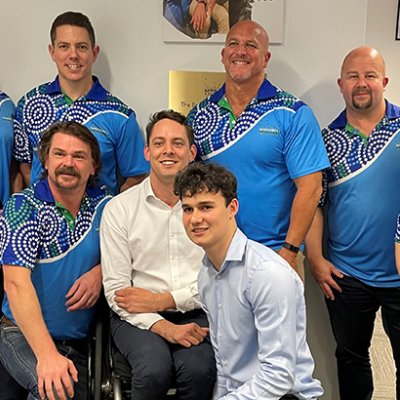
(150, 272)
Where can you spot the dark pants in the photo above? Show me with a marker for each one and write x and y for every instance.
(352, 316)
(19, 360)
(156, 363)
(9, 388)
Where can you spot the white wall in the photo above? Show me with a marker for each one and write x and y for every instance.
(134, 64)
(134, 61)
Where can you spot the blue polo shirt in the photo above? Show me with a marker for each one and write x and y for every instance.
(362, 199)
(6, 144)
(35, 234)
(112, 122)
(275, 140)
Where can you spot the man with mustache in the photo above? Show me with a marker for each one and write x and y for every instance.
(269, 139)
(50, 255)
(358, 273)
(77, 95)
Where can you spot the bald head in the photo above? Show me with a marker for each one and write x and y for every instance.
(363, 81)
(364, 54)
(250, 26)
(245, 54)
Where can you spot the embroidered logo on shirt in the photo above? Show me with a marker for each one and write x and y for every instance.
(102, 131)
(269, 131)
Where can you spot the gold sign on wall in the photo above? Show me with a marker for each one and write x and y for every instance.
(187, 88)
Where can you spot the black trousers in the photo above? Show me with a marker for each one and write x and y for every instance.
(352, 315)
(156, 363)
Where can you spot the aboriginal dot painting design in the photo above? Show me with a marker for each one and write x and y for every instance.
(3, 96)
(211, 122)
(348, 152)
(32, 230)
(38, 110)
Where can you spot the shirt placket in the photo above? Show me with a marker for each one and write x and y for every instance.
(173, 225)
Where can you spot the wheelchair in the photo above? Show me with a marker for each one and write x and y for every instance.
(117, 382)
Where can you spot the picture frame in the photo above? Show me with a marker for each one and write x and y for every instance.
(178, 25)
(397, 36)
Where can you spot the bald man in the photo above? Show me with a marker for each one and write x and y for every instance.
(358, 274)
(269, 139)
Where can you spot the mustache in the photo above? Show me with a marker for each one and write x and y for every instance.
(361, 90)
(67, 171)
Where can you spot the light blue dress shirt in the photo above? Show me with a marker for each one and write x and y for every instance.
(255, 306)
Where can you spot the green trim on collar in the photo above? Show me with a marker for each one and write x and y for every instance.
(224, 103)
(67, 215)
(68, 99)
(355, 132)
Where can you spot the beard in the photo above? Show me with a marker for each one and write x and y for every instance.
(363, 104)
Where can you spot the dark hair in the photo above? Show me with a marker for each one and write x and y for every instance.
(198, 177)
(74, 129)
(172, 115)
(75, 19)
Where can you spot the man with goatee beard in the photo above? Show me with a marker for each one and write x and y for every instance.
(50, 255)
(358, 273)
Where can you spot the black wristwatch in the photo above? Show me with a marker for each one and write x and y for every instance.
(290, 247)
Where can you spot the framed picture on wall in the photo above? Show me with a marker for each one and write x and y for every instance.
(398, 22)
(210, 20)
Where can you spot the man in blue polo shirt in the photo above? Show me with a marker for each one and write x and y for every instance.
(269, 139)
(77, 95)
(359, 275)
(50, 254)
(6, 146)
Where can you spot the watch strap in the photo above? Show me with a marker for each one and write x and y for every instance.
(291, 247)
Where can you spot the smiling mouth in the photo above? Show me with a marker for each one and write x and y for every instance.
(74, 67)
(168, 162)
(199, 230)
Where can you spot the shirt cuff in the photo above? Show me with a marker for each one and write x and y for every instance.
(144, 320)
(186, 299)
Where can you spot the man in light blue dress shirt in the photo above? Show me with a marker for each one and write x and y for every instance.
(252, 297)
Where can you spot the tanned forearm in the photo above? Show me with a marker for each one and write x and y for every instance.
(313, 238)
(26, 173)
(26, 310)
(309, 189)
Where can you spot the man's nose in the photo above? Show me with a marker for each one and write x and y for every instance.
(68, 160)
(196, 217)
(168, 148)
(73, 52)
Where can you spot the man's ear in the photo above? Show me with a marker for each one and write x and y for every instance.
(146, 152)
(233, 207)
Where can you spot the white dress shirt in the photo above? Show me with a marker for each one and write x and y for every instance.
(144, 244)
